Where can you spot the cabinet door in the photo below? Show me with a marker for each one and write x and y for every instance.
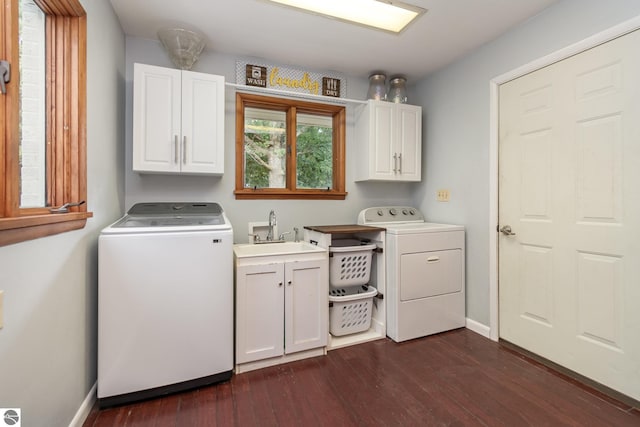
(409, 142)
(389, 142)
(383, 154)
(202, 150)
(306, 305)
(156, 119)
(259, 312)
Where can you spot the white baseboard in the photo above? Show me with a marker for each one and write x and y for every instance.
(85, 408)
(478, 328)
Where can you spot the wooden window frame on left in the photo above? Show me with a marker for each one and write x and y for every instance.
(66, 64)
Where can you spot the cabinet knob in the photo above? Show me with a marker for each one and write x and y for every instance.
(289, 283)
(280, 284)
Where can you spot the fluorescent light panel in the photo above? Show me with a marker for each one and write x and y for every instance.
(385, 15)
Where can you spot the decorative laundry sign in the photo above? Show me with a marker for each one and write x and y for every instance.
(331, 87)
(288, 79)
(256, 76)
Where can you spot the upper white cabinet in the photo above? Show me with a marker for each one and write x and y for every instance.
(178, 121)
(389, 142)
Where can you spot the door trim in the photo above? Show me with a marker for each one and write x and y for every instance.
(494, 86)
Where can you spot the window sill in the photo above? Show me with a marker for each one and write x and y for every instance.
(20, 229)
(265, 193)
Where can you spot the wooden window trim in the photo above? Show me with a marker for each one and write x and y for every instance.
(66, 63)
(292, 106)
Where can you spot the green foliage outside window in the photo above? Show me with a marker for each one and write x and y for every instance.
(314, 157)
(265, 155)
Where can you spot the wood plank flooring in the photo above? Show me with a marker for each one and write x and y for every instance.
(457, 378)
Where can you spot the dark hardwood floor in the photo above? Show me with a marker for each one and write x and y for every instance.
(456, 378)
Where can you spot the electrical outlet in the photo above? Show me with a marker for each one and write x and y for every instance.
(443, 195)
(1, 309)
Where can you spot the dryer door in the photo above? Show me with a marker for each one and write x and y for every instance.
(431, 273)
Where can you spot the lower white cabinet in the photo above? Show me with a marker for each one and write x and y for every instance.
(281, 310)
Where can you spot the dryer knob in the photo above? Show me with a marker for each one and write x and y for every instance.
(380, 213)
(412, 212)
(393, 211)
(405, 212)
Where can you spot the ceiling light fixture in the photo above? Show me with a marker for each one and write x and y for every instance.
(391, 16)
(183, 46)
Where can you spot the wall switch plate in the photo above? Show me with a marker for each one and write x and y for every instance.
(443, 195)
(1, 309)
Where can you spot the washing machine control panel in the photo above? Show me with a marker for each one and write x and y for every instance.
(390, 214)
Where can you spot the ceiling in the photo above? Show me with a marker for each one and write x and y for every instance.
(258, 28)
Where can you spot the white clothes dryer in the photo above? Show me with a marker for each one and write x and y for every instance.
(425, 278)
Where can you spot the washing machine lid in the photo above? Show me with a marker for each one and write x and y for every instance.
(175, 208)
(171, 216)
(167, 221)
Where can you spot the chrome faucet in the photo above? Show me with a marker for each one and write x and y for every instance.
(272, 223)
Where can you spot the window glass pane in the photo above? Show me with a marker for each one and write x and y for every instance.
(265, 148)
(314, 151)
(32, 152)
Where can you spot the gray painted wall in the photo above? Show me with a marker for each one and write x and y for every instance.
(456, 123)
(48, 343)
(291, 213)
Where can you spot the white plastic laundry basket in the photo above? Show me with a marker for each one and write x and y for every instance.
(350, 310)
(349, 263)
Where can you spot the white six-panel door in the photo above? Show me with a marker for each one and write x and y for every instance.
(569, 187)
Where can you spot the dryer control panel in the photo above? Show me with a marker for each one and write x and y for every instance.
(390, 214)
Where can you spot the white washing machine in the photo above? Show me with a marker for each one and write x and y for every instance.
(165, 301)
(425, 272)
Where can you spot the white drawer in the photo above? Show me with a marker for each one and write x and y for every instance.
(427, 274)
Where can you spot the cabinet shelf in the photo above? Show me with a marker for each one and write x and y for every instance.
(323, 237)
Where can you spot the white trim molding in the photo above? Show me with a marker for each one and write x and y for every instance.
(85, 408)
(478, 328)
(621, 29)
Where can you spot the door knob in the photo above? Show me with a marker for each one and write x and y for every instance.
(506, 230)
